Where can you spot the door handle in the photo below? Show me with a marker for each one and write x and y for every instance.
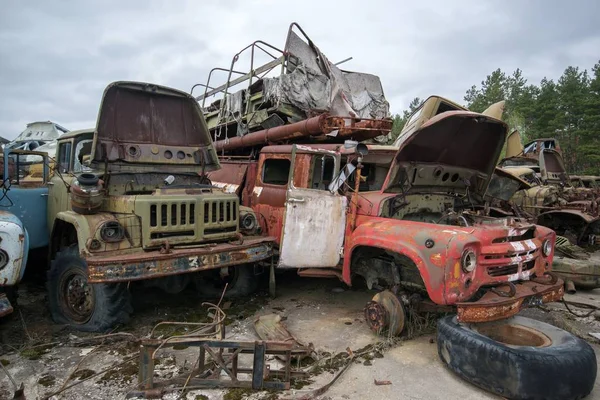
(44, 195)
(292, 200)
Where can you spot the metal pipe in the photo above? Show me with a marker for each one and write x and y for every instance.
(570, 287)
(354, 205)
(319, 125)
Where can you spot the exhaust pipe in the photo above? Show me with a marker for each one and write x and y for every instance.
(570, 287)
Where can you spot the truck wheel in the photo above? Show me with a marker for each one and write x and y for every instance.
(86, 307)
(519, 358)
(240, 281)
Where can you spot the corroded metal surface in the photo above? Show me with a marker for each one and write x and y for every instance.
(493, 306)
(439, 264)
(147, 123)
(583, 273)
(385, 313)
(155, 264)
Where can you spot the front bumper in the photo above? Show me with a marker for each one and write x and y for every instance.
(506, 301)
(154, 264)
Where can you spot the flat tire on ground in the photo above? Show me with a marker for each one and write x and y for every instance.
(75, 302)
(518, 358)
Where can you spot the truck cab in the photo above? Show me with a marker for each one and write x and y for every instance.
(22, 219)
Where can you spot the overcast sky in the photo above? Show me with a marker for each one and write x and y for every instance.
(56, 57)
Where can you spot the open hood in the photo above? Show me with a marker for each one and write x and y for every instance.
(514, 148)
(455, 151)
(144, 123)
(552, 167)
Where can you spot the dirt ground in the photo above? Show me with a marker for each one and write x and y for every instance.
(323, 312)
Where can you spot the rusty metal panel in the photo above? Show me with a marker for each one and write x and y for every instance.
(230, 177)
(156, 264)
(145, 123)
(493, 306)
(313, 229)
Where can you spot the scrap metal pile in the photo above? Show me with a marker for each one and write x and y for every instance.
(281, 166)
(549, 198)
(310, 99)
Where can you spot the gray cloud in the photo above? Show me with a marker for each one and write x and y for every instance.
(57, 57)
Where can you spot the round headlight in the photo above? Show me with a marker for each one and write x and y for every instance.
(248, 222)
(547, 247)
(468, 261)
(4, 258)
(112, 231)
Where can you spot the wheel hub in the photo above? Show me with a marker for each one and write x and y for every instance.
(78, 297)
(385, 313)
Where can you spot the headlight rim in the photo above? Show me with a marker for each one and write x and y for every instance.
(245, 217)
(467, 254)
(547, 247)
(115, 239)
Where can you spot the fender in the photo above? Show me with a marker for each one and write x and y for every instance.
(85, 226)
(408, 238)
(14, 245)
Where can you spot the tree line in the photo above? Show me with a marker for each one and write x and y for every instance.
(568, 110)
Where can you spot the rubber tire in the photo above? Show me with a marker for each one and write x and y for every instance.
(88, 179)
(112, 301)
(245, 284)
(566, 369)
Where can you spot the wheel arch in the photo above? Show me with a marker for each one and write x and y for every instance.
(434, 287)
(69, 228)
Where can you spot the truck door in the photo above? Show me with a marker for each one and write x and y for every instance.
(58, 195)
(315, 219)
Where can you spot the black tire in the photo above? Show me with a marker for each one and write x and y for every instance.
(88, 179)
(241, 282)
(543, 361)
(101, 307)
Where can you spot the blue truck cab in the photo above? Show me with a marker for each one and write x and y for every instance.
(23, 222)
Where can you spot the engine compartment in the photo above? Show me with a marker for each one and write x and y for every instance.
(443, 209)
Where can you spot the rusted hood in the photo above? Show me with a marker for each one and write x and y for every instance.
(145, 123)
(462, 143)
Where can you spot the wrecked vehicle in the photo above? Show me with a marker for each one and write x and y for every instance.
(414, 226)
(435, 105)
(130, 201)
(585, 181)
(22, 222)
(544, 157)
(570, 211)
(393, 228)
(278, 88)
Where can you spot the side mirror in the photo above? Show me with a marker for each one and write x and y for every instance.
(362, 149)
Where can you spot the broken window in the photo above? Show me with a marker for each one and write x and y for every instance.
(322, 171)
(82, 148)
(276, 171)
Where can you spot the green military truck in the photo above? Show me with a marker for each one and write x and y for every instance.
(130, 201)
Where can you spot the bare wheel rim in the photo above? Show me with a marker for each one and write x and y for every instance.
(385, 312)
(76, 296)
(515, 335)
